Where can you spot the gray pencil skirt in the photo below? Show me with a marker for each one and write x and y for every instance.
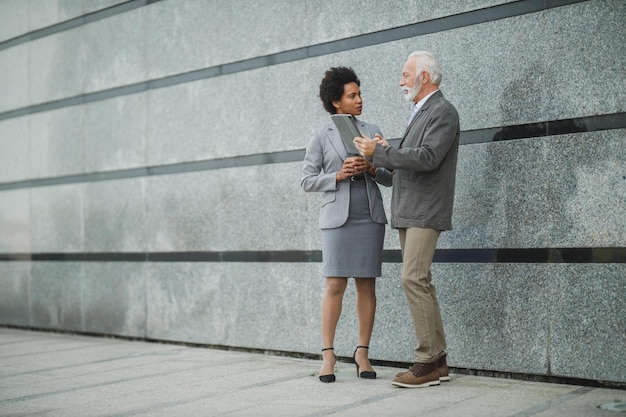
(356, 248)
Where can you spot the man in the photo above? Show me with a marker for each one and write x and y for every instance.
(424, 170)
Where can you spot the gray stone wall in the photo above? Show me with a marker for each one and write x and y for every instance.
(150, 162)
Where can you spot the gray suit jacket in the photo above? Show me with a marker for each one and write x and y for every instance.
(424, 167)
(324, 156)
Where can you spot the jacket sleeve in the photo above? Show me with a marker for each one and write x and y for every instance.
(313, 179)
(438, 137)
(382, 175)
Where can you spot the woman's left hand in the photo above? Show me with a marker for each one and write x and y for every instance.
(362, 165)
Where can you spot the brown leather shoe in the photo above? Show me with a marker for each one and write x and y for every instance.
(441, 365)
(399, 374)
(420, 375)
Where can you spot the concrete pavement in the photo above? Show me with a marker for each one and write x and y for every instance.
(52, 374)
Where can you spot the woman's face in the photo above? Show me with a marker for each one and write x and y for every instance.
(351, 101)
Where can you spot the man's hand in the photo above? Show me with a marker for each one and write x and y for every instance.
(381, 140)
(367, 146)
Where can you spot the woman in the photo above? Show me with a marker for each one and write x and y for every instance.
(352, 218)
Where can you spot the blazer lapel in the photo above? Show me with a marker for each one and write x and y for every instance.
(336, 142)
(419, 113)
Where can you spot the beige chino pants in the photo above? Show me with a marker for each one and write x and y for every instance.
(418, 248)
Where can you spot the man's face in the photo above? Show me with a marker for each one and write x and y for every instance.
(409, 86)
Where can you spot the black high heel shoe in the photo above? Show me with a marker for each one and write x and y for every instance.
(329, 377)
(364, 374)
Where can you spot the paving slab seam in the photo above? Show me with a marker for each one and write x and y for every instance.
(79, 365)
(555, 401)
(104, 384)
(170, 404)
(360, 403)
(46, 352)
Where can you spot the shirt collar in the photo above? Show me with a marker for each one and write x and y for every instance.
(420, 103)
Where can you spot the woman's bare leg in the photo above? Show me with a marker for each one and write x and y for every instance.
(331, 310)
(366, 310)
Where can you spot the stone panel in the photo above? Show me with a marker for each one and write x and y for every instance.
(15, 145)
(230, 209)
(14, 82)
(561, 191)
(114, 133)
(13, 19)
(114, 51)
(56, 218)
(194, 44)
(56, 66)
(496, 316)
(114, 298)
(115, 216)
(15, 293)
(588, 321)
(15, 226)
(56, 295)
(194, 302)
(56, 143)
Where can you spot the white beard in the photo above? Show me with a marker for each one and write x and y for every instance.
(411, 93)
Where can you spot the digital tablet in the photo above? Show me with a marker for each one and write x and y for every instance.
(348, 130)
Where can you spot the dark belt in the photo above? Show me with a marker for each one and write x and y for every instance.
(357, 178)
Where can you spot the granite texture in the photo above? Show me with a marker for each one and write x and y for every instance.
(588, 321)
(56, 142)
(14, 16)
(525, 208)
(56, 300)
(114, 298)
(44, 13)
(15, 145)
(15, 224)
(56, 66)
(179, 48)
(14, 78)
(57, 218)
(114, 213)
(555, 319)
(15, 294)
(193, 302)
(114, 51)
(114, 133)
(230, 209)
(208, 119)
(561, 191)
(181, 123)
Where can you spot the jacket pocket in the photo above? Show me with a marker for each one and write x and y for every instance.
(416, 184)
(328, 197)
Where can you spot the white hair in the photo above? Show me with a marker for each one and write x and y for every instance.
(426, 61)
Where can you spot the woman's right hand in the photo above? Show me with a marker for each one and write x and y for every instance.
(348, 169)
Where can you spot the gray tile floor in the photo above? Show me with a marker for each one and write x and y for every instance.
(51, 374)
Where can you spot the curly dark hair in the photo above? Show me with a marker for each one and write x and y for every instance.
(331, 87)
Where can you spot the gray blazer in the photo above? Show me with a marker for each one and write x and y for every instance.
(424, 167)
(324, 156)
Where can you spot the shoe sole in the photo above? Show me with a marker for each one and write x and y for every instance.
(441, 378)
(425, 384)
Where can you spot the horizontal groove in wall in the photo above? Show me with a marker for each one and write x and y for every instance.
(502, 255)
(460, 20)
(526, 131)
(75, 22)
